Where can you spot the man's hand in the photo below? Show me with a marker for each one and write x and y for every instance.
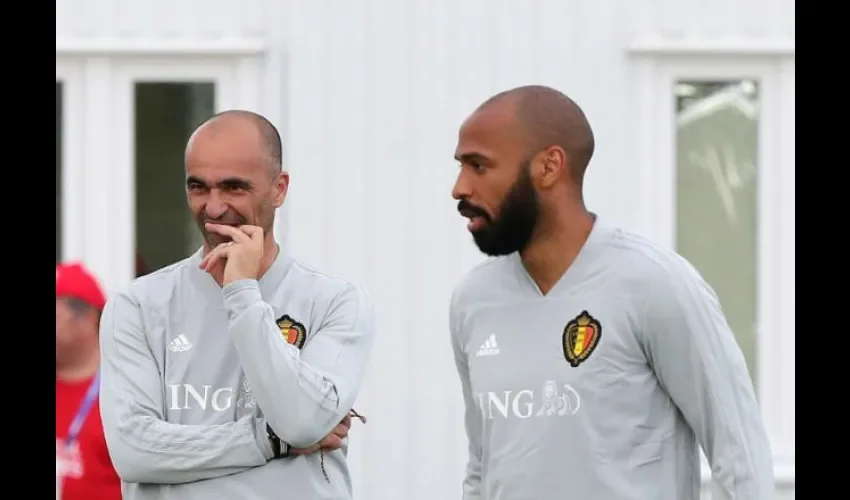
(242, 254)
(330, 442)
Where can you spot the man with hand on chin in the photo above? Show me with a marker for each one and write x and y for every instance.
(231, 373)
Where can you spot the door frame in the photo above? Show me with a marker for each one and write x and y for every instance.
(70, 72)
(775, 346)
(98, 194)
(126, 73)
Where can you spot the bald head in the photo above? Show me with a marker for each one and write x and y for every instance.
(547, 117)
(234, 175)
(240, 122)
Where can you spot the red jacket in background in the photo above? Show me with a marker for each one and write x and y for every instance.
(88, 472)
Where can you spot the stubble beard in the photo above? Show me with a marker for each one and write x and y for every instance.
(265, 218)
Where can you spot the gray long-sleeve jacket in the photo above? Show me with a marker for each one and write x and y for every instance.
(192, 373)
(603, 388)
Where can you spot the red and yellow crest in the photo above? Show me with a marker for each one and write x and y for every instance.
(292, 331)
(581, 336)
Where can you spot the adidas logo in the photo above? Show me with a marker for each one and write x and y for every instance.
(489, 347)
(179, 344)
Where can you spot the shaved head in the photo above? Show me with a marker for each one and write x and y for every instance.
(523, 154)
(268, 135)
(234, 173)
(547, 117)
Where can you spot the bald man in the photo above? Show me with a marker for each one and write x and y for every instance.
(593, 362)
(231, 373)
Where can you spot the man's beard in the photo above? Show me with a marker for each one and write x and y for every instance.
(511, 231)
(264, 219)
(227, 219)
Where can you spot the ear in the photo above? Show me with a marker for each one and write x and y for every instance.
(281, 188)
(552, 166)
(92, 317)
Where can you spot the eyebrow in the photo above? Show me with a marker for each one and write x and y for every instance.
(472, 158)
(228, 183)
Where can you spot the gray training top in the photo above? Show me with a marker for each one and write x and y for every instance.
(603, 388)
(191, 373)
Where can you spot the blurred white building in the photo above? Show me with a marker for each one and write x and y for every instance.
(692, 102)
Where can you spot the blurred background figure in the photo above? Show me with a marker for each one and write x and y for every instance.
(84, 469)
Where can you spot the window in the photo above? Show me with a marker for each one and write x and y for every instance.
(716, 185)
(166, 113)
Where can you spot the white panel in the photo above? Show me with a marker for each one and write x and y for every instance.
(160, 19)
(715, 20)
(122, 140)
(786, 250)
(248, 82)
(70, 73)
(101, 236)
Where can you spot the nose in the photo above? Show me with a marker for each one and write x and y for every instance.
(215, 207)
(461, 188)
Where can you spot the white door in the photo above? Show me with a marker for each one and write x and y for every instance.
(718, 184)
(155, 105)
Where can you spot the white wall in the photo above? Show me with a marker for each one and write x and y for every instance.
(582, 22)
(370, 94)
(158, 22)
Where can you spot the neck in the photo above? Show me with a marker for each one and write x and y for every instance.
(79, 368)
(555, 245)
(270, 252)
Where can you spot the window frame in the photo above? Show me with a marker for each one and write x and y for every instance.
(231, 91)
(69, 71)
(775, 347)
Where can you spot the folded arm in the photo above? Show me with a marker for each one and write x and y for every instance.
(303, 393)
(143, 447)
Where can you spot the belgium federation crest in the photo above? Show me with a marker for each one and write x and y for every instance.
(292, 331)
(581, 336)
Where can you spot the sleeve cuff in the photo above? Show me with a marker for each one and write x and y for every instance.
(263, 439)
(241, 295)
